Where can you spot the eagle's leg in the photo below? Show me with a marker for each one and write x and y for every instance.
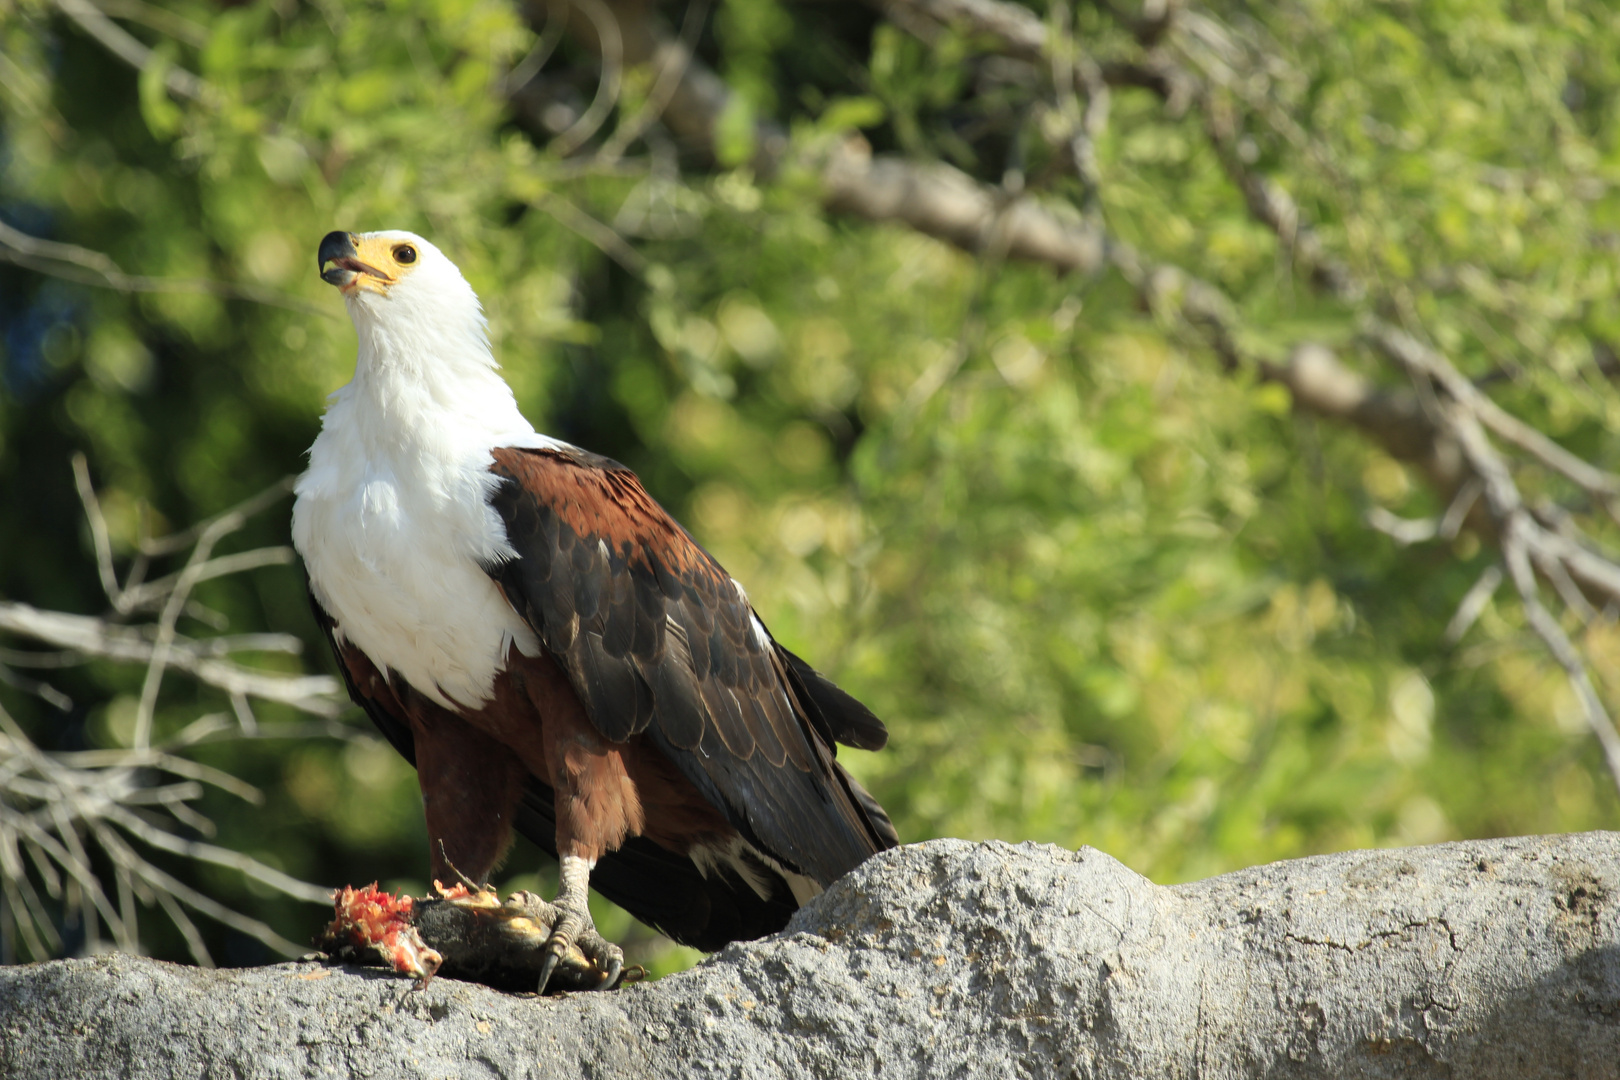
(471, 786)
(574, 927)
(597, 807)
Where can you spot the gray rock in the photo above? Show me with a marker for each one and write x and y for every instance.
(1483, 959)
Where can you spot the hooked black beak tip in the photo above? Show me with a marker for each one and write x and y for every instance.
(335, 246)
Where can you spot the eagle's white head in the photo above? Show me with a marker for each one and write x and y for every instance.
(409, 303)
(392, 264)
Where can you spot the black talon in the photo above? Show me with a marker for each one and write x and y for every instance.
(546, 968)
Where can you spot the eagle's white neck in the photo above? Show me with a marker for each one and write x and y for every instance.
(425, 374)
(392, 518)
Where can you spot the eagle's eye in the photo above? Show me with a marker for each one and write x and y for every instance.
(404, 254)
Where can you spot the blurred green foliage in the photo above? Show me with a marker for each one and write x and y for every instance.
(1102, 591)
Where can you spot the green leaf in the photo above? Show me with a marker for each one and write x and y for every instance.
(734, 136)
(851, 113)
(163, 117)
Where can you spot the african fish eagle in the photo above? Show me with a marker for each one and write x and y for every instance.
(550, 649)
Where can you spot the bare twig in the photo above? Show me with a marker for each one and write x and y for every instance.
(671, 62)
(98, 529)
(598, 233)
(1522, 540)
(611, 50)
(137, 870)
(1273, 207)
(1514, 550)
(1426, 363)
(246, 865)
(164, 22)
(42, 690)
(93, 21)
(92, 637)
(550, 37)
(166, 762)
(1404, 531)
(253, 504)
(86, 267)
(32, 97)
(148, 595)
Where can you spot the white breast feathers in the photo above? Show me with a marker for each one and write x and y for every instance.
(392, 518)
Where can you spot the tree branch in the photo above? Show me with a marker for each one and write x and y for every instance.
(947, 204)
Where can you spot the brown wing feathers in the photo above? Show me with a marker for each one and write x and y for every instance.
(655, 637)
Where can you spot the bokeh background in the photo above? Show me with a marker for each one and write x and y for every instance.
(1106, 583)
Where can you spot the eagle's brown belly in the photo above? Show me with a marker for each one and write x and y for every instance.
(473, 764)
